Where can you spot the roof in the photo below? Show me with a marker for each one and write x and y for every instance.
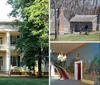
(83, 18)
(6, 25)
(7, 28)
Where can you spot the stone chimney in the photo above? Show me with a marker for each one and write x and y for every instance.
(61, 21)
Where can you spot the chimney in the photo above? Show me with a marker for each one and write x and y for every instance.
(61, 21)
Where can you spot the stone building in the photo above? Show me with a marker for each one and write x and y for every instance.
(82, 20)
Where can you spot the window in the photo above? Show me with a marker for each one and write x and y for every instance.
(1, 61)
(13, 39)
(0, 40)
(14, 61)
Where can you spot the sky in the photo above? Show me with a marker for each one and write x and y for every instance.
(99, 2)
(4, 10)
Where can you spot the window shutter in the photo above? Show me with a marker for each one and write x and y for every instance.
(10, 39)
(11, 60)
(18, 61)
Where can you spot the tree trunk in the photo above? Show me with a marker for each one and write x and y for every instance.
(33, 69)
(56, 31)
(39, 65)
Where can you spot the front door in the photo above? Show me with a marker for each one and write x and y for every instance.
(79, 71)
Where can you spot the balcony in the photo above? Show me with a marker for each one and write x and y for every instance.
(2, 46)
(13, 47)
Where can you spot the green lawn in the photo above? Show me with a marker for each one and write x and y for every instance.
(23, 81)
(93, 36)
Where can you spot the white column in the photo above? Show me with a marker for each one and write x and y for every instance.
(52, 70)
(8, 52)
(81, 70)
(75, 71)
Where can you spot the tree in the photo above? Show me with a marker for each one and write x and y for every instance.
(33, 40)
(72, 7)
(94, 64)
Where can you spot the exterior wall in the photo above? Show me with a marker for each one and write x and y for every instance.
(3, 45)
(3, 54)
(3, 68)
(95, 25)
(14, 53)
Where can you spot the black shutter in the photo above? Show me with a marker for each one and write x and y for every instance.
(18, 61)
(11, 60)
(10, 39)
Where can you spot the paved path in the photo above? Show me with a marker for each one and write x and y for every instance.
(66, 82)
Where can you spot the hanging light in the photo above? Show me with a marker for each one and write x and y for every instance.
(62, 57)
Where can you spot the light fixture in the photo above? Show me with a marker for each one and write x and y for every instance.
(62, 57)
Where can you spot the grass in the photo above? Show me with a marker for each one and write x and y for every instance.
(23, 81)
(93, 36)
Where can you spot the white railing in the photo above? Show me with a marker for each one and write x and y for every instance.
(13, 47)
(3, 46)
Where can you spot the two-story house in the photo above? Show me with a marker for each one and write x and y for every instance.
(8, 56)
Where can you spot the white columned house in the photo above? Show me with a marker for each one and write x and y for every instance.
(8, 54)
(9, 58)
